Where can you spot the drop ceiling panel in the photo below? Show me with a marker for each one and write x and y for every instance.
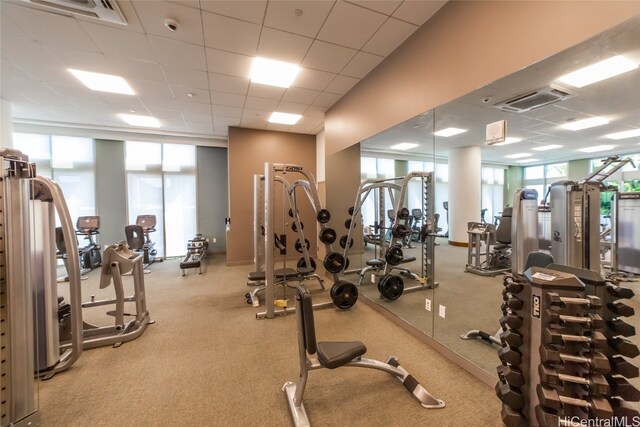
(8, 27)
(326, 99)
(81, 59)
(227, 99)
(198, 95)
(350, 25)
(392, 33)
(230, 34)
(231, 84)
(361, 64)
(152, 14)
(187, 77)
(200, 128)
(341, 84)
(253, 123)
(386, 7)
(151, 90)
(291, 107)
(231, 64)
(278, 127)
(194, 107)
(276, 44)
(132, 69)
(252, 11)
(219, 110)
(418, 12)
(280, 15)
(126, 7)
(257, 115)
(179, 54)
(119, 42)
(302, 96)
(328, 57)
(312, 79)
(190, 116)
(263, 104)
(315, 111)
(264, 91)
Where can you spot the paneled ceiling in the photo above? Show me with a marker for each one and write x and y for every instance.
(196, 80)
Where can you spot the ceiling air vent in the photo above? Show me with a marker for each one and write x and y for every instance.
(103, 10)
(534, 99)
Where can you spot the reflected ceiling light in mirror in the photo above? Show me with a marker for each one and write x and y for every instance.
(284, 118)
(547, 147)
(597, 148)
(449, 132)
(528, 160)
(103, 82)
(143, 121)
(518, 155)
(404, 146)
(625, 134)
(273, 73)
(585, 123)
(508, 140)
(599, 71)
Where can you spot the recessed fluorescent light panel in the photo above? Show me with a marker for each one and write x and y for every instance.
(547, 147)
(449, 132)
(585, 123)
(143, 121)
(597, 148)
(274, 73)
(404, 146)
(625, 134)
(528, 161)
(103, 82)
(599, 71)
(509, 140)
(518, 156)
(284, 118)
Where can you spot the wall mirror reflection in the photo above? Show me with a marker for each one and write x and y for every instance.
(565, 117)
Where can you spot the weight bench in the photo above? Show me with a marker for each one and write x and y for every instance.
(334, 354)
(378, 264)
(282, 276)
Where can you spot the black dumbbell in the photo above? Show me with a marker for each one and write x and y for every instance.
(546, 418)
(591, 338)
(597, 362)
(510, 375)
(621, 410)
(620, 292)
(590, 320)
(512, 286)
(512, 303)
(597, 407)
(623, 367)
(596, 384)
(620, 327)
(512, 418)
(621, 309)
(510, 395)
(511, 320)
(590, 301)
(510, 355)
(623, 389)
(511, 338)
(624, 347)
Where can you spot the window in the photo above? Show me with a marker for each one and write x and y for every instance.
(540, 178)
(626, 179)
(161, 181)
(492, 192)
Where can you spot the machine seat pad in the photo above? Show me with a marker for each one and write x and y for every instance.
(191, 264)
(256, 276)
(408, 259)
(305, 271)
(333, 354)
(375, 263)
(285, 273)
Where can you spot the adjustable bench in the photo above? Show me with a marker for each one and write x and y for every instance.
(282, 276)
(378, 264)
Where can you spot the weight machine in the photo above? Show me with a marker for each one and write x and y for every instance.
(89, 226)
(138, 238)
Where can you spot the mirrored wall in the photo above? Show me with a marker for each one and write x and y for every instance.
(560, 126)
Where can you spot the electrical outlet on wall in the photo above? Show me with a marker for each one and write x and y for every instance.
(427, 304)
(213, 240)
(443, 310)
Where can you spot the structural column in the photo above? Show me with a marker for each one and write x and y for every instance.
(464, 192)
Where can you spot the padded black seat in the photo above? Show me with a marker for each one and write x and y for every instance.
(375, 263)
(281, 273)
(190, 264)
(333, 354)
(305, 271)
(256, 276)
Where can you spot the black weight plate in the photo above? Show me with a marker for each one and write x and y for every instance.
(301, 263)
(391, 287)
(328, 236)
(343, 242)
(294, 226)
(334, 262)
(298, 246)
(400, 230)
(348, 224)
(290, 212)
(344, 294)
(403, 213)
(350, 210)
(323, 216)
(394, 256)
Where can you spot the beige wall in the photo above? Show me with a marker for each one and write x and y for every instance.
(248, 150)
(465, 46)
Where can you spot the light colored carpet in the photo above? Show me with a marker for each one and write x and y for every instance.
(208, 362)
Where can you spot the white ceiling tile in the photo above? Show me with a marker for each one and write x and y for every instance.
(328, 57)
(179, 54)
(278, 127)
(231, 84)
(382, 6)
(36, 61)
(313, 79)
(280, 15)
(252, 11)
(252, 114)
(312, 121)
(96, 107)
(224, 122)
(227, 99)
(253, 123)
(132, 69)
(326, 99)
(219, 110)
(198, 95)
(276, 44)
(263, 104)
(317, 129)
(81, 59)
(392, 33)
(315, 111)
(200, 128)
(8, 28)
(341, 84)
(417, 12)
(152, 14)
(146, 89)
(361, 64)
(350, 25)
(186, 77)
(301, 128)
(193, 107)
(302, 96)
(264, 91)
(120, 42)
(122, 104)
(169, 116)
(190, 116)
(232, 64)
(230, 34)
(189, 3)
(291, 107)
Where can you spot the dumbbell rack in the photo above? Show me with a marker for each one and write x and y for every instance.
(564, 354)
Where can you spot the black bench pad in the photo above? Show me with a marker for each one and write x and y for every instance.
(281, 273)
(333, 354)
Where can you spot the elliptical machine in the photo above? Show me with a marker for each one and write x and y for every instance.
(139, 241)
(90, 258)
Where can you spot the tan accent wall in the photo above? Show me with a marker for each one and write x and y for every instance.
(465, 46)
(248, 150)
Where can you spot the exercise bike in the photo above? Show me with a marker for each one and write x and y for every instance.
(90, 258)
